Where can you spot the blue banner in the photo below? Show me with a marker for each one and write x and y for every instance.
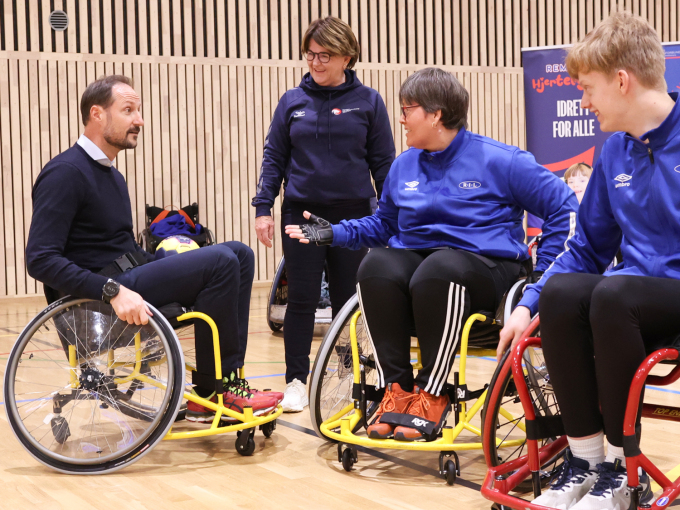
(559, 132)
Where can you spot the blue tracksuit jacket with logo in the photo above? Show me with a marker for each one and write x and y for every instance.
(632, 200)
(324, 143)
(470, 196)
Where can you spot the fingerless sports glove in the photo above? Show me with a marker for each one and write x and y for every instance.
(319, 231)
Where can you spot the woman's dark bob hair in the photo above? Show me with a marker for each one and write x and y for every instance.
(434, 89)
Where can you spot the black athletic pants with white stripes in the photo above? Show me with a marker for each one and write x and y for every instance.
(594, 329)
(430, 294)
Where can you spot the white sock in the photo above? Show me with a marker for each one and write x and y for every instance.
(591, 450)
(614, 453)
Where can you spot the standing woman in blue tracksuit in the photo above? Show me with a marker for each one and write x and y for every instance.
(328, 137)
(451, 213)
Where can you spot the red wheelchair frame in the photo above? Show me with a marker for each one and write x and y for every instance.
(502, 479)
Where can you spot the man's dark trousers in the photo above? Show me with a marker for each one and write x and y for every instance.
(215, 280)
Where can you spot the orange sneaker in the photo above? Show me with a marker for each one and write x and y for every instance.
(395, 400)
(429, 415)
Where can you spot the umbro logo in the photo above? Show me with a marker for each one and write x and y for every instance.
(412, 186)
(299, 113)
(623, 180)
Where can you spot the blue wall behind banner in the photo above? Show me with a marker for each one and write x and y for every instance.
(559, 132)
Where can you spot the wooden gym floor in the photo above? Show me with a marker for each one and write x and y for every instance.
(294, 469)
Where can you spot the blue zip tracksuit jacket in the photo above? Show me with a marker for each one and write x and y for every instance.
(632, 200)
(324, 143)
(471, 196)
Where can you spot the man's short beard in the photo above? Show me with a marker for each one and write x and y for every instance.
(121, 143)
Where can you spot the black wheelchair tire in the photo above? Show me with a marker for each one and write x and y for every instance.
(275, 296)
(163, 426)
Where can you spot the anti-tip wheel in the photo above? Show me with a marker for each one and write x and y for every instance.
(60, 429)
(268, 428)
(347, 460)
(450, 472)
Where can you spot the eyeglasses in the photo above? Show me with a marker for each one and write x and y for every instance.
(404, 109)
(324, 57)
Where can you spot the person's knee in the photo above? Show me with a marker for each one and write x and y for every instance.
(561, 292)
(223, 259)
(613, 298)
(243, 252)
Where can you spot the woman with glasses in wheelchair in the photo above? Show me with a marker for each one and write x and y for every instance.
(328, 136)
(451, 213)
(594, 326)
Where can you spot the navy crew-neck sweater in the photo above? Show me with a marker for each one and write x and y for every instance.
(82, 221)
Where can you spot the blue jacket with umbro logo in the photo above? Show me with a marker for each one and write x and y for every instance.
(632, 201)
(324, 143)
(471, 196)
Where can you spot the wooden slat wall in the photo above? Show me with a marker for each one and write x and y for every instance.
(210, 73)
(432, 32)
(205, 124)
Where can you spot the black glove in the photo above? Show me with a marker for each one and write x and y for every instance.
(534, 276)
(319, 231)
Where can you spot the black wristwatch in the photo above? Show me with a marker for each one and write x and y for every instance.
(110, 290)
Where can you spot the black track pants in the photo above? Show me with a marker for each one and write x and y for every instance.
(304, 267)
(592, 329)
(430, 294)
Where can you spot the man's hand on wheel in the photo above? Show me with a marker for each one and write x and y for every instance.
(510, 334)
(130, 307)
(319, 231)
(264, 228)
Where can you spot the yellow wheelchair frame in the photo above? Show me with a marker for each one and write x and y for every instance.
(245, 444)
(348, 418)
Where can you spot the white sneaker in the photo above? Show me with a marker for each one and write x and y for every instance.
(610, 491)
(294, 397)
(572, 484)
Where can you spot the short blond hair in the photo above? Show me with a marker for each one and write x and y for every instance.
(622, 41)
(335, 35)
(583, 169)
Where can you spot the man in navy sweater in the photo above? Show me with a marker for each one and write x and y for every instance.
(82, 223)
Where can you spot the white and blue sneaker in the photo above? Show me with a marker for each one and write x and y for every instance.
(610, 491)
(573, 482)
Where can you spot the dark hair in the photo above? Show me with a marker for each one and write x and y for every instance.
(100, 92)
(335, 35)
(434, 89)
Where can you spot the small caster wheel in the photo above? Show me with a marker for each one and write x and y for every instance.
(450, 472)
(245, 444)
(60, 429)
(268, 428)
(348, 460)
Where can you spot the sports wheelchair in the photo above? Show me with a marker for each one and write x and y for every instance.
(86, 393)
(343, 398)
(278, 300)
(522, 378)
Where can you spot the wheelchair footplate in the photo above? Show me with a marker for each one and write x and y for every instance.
(344, 425)
(244, 424)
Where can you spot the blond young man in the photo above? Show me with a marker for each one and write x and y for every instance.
(594, 326)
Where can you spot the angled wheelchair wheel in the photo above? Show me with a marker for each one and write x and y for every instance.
(332, 375)
(278, 298)
(507, 438)
(86, 393)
